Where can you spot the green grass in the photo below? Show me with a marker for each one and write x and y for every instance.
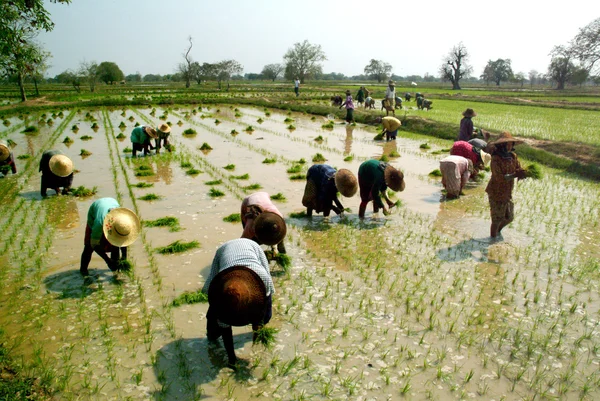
(143, 185)
(86, 137)
(241, 177)
(348, 158)
(294, 169)
(189, 132)
(229, 167)
(215, 193)
(193, 171)
(178, 247)
(269, 160)
(171, 222)
(23, 157)
(214, 182)
(318, 158)
(252, 187)
(82, 191)
(298, 177)
(205, 146)
(298, 215)
(265, 336)
(84, 152)
(188, 298)
(233, 218)
(150, 197)
(424, 146)
(279, 197)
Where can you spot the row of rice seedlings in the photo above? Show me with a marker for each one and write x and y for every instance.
(171, 222)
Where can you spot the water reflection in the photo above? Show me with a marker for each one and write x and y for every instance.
(348, 140)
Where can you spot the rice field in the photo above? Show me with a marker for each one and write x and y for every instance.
(416, 305)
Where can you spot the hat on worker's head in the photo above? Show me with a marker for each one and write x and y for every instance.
(506, 137)
(348, 92)
(238, 296)
(121, 227)
(269, 228)
(61, 165)
(164, 128)
(151, 132)
(4, 152)
(486, 158)
(394, 178)
(346, 182)
(469, 113)
(392, 83)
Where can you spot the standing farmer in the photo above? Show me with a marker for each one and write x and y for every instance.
(297, 86)
(57, 172)
(360, 96)
(162, 135)
(390, 98)
(140, 138)
(322, 184)
(466, 125)
(374, 177)
(262, 221)
(349, 107)
(7, 158)
(456, 171)
(110, 228)
(240, 291)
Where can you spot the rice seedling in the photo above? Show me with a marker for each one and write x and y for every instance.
(143, 185)
(294, 169)
(50, 122)
(205, 146)
(213, 182)
(384, 158)
(288, 120)
(533, 171)
(150, 197)
(188, 298)
(127, 149)
(193, 171)
(86, 137)
(291, 127)
(217, 121)
(23, 157)
(6, 122)
(301, 161)
(241, 177)
(30, 130)
(122, 125)
(297, 177)
(82, 191)
(84, 152)
(233, 218)
(435, 173)
(378, 137)
(171, 222)
(229, 167)
(121, 136)
(124, 265)
(131, 118)
(394, 153)
(328, 125)
(298, 215)
(265, 336)
(269, 160)
(424, 146)
(260, 120)
(237, 115)
(177, 247)
(249, 129)
(185, 164)
(348, 158)
(189, 132)
(279, 197)
(95, 126)
(11, 143)
(319, 139)
(252, 187)
(318, 158)
(170, 147)
(180, 123)
(234, 132)
(215, 193)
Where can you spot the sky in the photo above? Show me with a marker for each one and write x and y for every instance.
(150, 36)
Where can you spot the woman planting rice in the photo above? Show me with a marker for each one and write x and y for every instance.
(57, 172)
(322, 184)
(374, 177)
(262, 221)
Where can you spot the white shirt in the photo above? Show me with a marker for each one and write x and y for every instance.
(297, 83)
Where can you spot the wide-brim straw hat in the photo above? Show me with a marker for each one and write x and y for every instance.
(164, 128)
(390, 82)
(270, 228)
(346, 182)
(486, 158)
(238, 296)
(469, 113)
(4, 152)
(121, 227)
(151, 131)
(61, 165)
(506, 137)
(394, 178)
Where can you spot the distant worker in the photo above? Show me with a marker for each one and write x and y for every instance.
(162, 137)
(374, 177)
(140, 139)
(349, 108)
(390, 126)
(240, 291)
(398, 104)
(322, 185)
(57, 172)
(360, 96)
(262, 221)
(110, 228)
(466, 125)
(390, 98)
(456, 171)
(407, 96)
(478, 157)
(7, 159)
(297, 86)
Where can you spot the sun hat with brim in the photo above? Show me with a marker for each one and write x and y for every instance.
(269, 228)
(61, 165)
(238, 296)
(121, 227)
(394, 178)
(506, 137)
(4, 152)
(486, 158)
(469, 113)
(346, 182)
(390, 82)
(164, 128)
(151, 131)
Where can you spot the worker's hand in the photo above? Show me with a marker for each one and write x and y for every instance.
(386, 212)
(521, 174)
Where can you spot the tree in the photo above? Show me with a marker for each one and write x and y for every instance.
(152, 78)
(533, 76)
(579, 76)
(89, 73)
(225, 69)
(272, 71)
(497, 71)
(109, 72)
(586, 45)
(205, 72)
(378, 70)
(303, 61)
(455, 67)
(519, 78)
(137, 77)
(39, 68)
(71, 78)
(561, 67)
(185, 68)
(20, 22)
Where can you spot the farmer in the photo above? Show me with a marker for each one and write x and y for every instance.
(369, 103)
(336, 100)
(360, 96)
(390, 97)
(140, 138)
(398, 104)
(478, 143)
(322, 185)
(240, 291)
(466, 125)
(390, 127)
(456, 171)
(349, 107)
(57, 172)
(297, 86)
(262, 221)
(162, 135)
(478, 157)
(374, 177)
(110, 228)
(7, 159)
(425, 104)
(407, 96)
(505, 168)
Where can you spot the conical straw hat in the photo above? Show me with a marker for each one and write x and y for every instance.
(346, 182)
(4, 152)
(121, 227)
(61, 165)
(270, 228)
(164, 128)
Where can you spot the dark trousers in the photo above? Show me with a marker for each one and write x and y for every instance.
(138, 147)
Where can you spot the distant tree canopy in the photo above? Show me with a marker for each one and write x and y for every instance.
(109, 72)
(137, 77)
(303, 61)
(377, 69)
(272, 71)
(152, 78)
(586, 46)
(454, 65)
(561, 67)
(498, 71)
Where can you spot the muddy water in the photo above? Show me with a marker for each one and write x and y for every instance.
(438, 310)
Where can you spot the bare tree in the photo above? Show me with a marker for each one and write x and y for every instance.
(533, 76)
(272, 71)
(378, 70)
(89, 72)
(586, 45)
(227, 68)
(455, 67)
(185, 68)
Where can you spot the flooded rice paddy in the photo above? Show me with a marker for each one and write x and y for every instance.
(420, 304)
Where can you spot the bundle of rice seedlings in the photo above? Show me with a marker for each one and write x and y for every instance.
(120, 136)
(229, 167)
(30, 130)
(436, 173)
(177, 247)
(279, 197)
(215, 193)
(534, 171)
(150, 197)
(241, 177)
(189, 132)
(205, 146)
(298, 177)
(86, 137)
(82, 191)
(298, 215)
(67, 140)
(318, 158)
(328, 125)
(378, 137)
(193, 171)
(85, 152)
(188, 298)
(233, 218)
(171, 222)
(269, 160)
(265, 336)
(23, 157)
(424, 146)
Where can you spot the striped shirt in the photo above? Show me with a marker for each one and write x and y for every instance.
(241, 252)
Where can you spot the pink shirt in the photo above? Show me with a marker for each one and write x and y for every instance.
(261, 199)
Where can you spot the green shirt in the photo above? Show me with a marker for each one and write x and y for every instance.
(96, 215)
(372, 180)
(138, 135)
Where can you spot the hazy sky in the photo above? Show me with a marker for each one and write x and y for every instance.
(150, 36)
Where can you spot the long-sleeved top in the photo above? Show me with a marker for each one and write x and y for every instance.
(261, 199)
(455, 173)
(348, 103)
(371, 180)
(10, 161)
(498, 188)
(466, 129)
(95, 217)
(390, 124)
(360, 96)
(139, 136)
(466, 150)
(241, 252)
(49, 179)
(323, 177)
